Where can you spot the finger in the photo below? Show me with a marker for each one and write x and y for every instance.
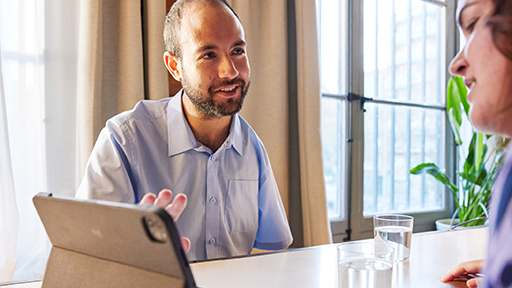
(164, 198)
(474, 283)
(185, 243)
(454, 273)
(148, 199)
(177, 206)
(462, 268)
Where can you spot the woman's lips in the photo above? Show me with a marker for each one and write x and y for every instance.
(470, 83)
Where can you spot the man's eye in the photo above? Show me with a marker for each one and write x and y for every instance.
(209, 55)
(238, 51)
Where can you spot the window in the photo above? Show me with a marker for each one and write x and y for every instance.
(383, 108)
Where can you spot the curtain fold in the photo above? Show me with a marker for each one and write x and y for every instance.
(267, 107)
(9, 220)
(314, 208)
(120, 63)
(156, 75)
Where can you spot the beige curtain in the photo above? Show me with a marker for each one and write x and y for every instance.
(314, 208)
(120, 62)
(267, 106)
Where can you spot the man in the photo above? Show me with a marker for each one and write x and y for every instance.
(196, 144)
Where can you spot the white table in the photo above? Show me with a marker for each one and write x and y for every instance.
(432, 255)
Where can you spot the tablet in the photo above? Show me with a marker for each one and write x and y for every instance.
(109, 244)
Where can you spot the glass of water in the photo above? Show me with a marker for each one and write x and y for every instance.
(365, 265)
(395, 230)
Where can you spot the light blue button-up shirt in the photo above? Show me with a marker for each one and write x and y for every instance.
(233, 199)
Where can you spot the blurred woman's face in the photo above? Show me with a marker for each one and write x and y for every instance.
(486, 71)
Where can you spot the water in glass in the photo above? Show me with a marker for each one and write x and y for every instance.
(399, 237)
(365, 273)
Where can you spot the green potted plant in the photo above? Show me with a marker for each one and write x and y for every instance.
(472, 190)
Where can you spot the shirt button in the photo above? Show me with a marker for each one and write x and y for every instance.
(213, 200)
(214, 158)
(212, 241)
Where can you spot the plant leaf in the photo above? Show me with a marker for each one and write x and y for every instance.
(453, 103)
(481, 177)
(486, 212)
(463, 91)
(479, 150)
(455, 126)
(433, 170)
(469, 172)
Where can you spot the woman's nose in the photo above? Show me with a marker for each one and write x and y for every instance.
(459, 64)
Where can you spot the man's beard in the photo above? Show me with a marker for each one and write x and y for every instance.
(206, 103)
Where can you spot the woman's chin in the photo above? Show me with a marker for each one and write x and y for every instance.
(486, 124)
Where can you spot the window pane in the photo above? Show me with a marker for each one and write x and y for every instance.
(398, 138)
(407, 64)
(332, 16)
(333, 46)
(333, 149)
(403, 56)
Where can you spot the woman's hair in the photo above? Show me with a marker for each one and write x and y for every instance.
(501, 26)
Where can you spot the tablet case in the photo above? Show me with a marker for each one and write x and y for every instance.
(109, 244)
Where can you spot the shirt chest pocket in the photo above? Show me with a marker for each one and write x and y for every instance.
(242, 205)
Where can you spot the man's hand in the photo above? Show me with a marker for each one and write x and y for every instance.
(470, 268)
(173, 207)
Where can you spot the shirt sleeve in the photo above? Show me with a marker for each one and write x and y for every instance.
(108, 174)
(273, 229)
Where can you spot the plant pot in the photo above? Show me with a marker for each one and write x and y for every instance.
(444, 224)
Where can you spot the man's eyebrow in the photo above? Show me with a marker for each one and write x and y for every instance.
(214, 47)
(459, 18)
(239, 43)
(207, 47)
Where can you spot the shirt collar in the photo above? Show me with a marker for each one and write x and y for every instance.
(180, 134)
(235, 134)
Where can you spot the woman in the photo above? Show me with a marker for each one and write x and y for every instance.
(486, 65)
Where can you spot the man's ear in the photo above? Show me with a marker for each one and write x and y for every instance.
(173, 65)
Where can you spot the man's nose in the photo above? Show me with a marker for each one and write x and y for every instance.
(227, 69)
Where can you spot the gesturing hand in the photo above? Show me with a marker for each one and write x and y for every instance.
(173, 207)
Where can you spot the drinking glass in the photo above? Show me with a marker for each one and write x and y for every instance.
(395, 230)
(365, 265)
